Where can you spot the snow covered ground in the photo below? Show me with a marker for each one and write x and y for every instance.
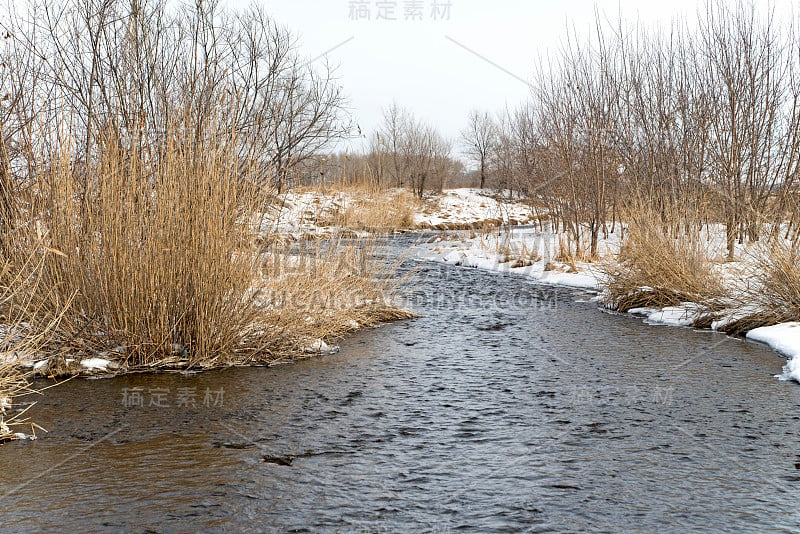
(308, 213)
(458, 208)
(305, 213)
(521, 250)
(785, 339)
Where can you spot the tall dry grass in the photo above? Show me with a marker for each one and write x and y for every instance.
(325, 289)
(380, 211)
(25, 325)
(154, 252)
(657, 269)
(160, 257)
(774, 297)
(779, 277)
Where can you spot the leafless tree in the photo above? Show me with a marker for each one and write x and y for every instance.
(745, 69)
(134, 67)
(479, 139)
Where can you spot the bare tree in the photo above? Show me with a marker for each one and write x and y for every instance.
(479, 138)
(745, 70)
(390, 141)
(134, 68)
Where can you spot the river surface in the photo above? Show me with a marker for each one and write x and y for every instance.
(507, 407)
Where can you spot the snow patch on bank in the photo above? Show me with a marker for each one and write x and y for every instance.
(467, 206)
(529, 253)
(785, 339)
(313, 213)
(684, 315)
(95, 364)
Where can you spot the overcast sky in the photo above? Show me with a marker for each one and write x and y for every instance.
(442, 61)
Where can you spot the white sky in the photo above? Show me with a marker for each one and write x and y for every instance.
(418, 64)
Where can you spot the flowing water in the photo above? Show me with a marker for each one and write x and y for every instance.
(507, 407)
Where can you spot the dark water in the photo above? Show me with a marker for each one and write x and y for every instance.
(507, 407)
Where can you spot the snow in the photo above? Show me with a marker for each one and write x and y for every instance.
(318, 346)
(684, 315)
(95, 364)
(523, 246)
(645, 312)
(785, 339)
(469, 206)
(309, 213)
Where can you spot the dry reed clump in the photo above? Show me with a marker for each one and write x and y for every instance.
(325, 289)
(779, 274)
(25, 326)
(656, 270)
(154, 251)
(775, 296)
(380, 211)
(160, 256)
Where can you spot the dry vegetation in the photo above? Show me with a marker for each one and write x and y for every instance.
(655, 268)
(780, 283)
(774, 295)
(155, 254)
(26, 324)
(380, 211)
(13, 384)
(323, 290)
(164, 267)
(132, 169)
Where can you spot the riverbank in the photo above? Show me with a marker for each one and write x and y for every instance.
(310, 213)
(500, 237)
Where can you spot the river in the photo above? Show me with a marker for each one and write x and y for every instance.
(506, 407)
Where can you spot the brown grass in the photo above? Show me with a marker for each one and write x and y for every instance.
(156, 255)
(324, 290)
(776, 291)
(160, 256)
(380, 211)
(25, 327)
(566, 254)
(780, 283)
(674, 269)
